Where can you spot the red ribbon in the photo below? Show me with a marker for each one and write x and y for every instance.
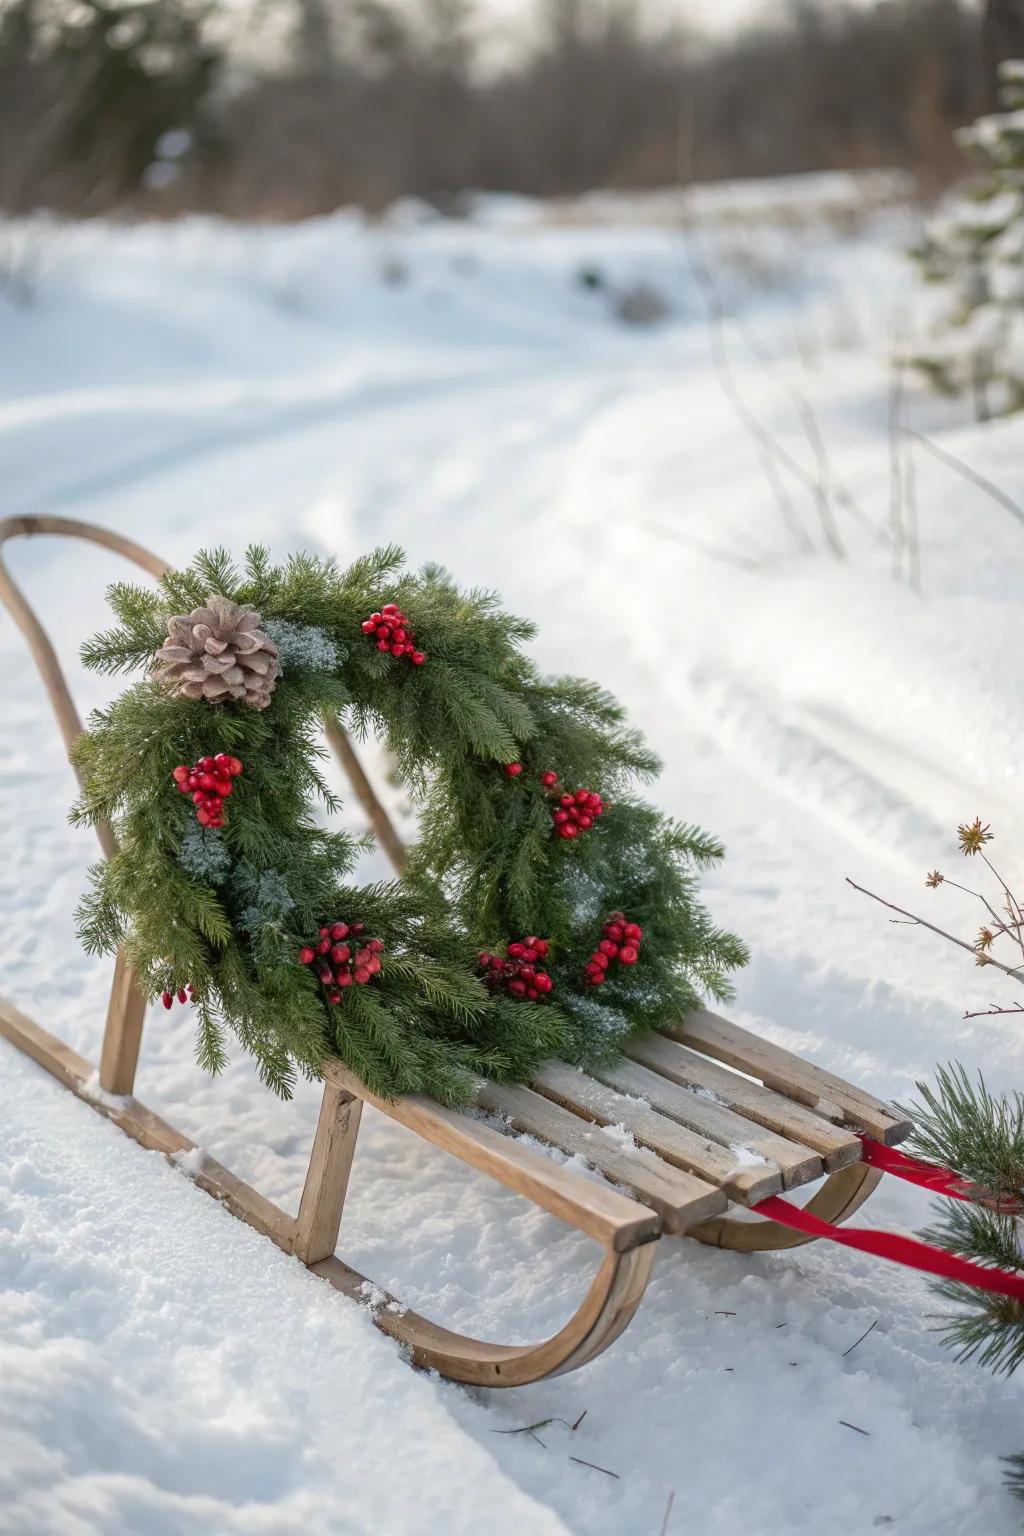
(900, 1250)
(941, 1181)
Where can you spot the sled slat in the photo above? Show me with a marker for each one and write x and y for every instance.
(679, 1198)
(797, 1164)
(837, 1147)
(600, 1212)
(789, 1074)
(675, 1143)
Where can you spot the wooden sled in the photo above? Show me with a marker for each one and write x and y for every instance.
(718, 1117)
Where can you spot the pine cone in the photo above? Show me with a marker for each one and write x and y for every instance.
(218, 652)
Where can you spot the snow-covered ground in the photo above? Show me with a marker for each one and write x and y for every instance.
(465, 388)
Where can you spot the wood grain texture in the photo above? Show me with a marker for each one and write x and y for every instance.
(787, 1073)
(836, 1146)
(675, 1143)
(715, 1123)
(601, 1213)
(679, 1198)
(122, 1033)
(330, 1164)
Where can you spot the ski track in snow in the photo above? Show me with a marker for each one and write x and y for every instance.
(821, 719)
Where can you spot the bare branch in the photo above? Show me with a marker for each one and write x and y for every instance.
(923, 923)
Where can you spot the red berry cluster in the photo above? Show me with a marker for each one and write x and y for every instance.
(209, 782)
(393, 633)
(184, 996)
(338, 964)
(621, 942)
(573, 813)
(518, 971)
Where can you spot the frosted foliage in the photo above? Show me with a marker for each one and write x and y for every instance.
(203, 854)
(302, 647)
(270, 902)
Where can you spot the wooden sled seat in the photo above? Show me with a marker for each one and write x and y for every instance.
(691, 1121)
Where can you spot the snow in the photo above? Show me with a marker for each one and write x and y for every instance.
(454, 385)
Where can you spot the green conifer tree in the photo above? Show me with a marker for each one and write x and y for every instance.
(974, 251)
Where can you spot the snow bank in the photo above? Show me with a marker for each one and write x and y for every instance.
(454, 387)
(167, 1371)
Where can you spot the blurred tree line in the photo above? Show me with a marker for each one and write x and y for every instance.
(155, 104)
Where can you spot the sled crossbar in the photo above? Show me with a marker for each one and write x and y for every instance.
(691, 1120)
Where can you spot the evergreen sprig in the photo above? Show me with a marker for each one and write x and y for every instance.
(961, 1125)
(227, 913)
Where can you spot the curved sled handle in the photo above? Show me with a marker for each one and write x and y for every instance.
(39, 643)
(68, 718)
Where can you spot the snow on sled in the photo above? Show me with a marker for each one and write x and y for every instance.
(714, 1117)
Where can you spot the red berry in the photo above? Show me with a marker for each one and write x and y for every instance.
(182, 995)
(203, 816)
(235, 766)
(323, 947)
(376, 946)
(513, 770)
(373, 964)
(180, 774)
(514, 950)
(324, 932)
(627, 955)
(566, 801)
(517, 987)
(334, 997)
(362, 975)
(307, 955)
(357, 927)
(224, 787)
(166, 999)
(584, 821)
(549, 779)
(327, 976)
(615, 932)
(390, 608)
(398, 634)
(595, 978)
(418, 658)
(570, 829)
(541, 946)
(559, 817)
(340, 953)
(600, 960)
(383, 645)
(582, 796)
(205, 764)
(543, 982)
(368, 627)
(345, 979)
(606, 947)
(633, 932)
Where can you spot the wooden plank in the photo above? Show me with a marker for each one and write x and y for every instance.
(330, 1163)
(584, 1095)
(680, 1199)
(837, 1147)
(788, 1073)
(122, 1034)
(797, 1164)
(600, 1212)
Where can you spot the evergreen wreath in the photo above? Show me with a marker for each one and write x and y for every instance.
(546, 910)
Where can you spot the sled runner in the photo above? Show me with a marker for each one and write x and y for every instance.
(715, 1117)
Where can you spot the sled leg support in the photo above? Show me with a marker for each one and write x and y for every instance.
(628, 1231)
